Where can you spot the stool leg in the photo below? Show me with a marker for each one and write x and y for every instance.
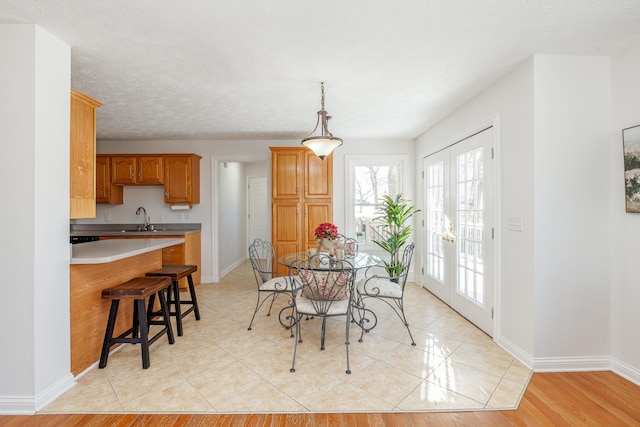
(144, 328)
(164, 307)
(194, 300)
(152, 300)
(176, 303)
(106, 344)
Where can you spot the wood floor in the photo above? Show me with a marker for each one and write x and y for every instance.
(551, 399)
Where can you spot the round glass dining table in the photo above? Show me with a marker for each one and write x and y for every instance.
(358, 261)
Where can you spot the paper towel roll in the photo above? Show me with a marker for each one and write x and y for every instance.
(180, 207)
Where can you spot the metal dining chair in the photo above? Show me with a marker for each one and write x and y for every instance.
(270, 283)
(327, 291)
(384, 287)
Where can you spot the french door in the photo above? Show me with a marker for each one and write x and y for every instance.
(458, 229)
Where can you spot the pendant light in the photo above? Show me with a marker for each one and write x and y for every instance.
(323, 143)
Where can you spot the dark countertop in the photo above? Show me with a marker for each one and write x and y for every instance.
(180, 229)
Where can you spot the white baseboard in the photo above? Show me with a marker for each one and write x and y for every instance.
(626, 371)
(572, 364)
(522, 356)
(29, 405)
(231, 267)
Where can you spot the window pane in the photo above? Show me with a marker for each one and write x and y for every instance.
(371, 182)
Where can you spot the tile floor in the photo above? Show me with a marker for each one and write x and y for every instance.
(220, 366)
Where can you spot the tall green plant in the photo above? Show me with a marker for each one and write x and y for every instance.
(395, 230)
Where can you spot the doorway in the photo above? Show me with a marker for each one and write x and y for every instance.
(459, 233)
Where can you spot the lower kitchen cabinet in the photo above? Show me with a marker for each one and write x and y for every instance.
(188, 252)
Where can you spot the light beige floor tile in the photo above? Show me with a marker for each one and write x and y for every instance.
(429, 396)
(220, 384)
(348, 398)
(217, 365)
(385, 382)
(263, 397)
(412, 360)
(507, 395)
(200, 360)
(92, 397)
(465, 380)
(160, 375)
(179, 397)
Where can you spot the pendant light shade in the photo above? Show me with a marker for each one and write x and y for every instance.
(320, 140)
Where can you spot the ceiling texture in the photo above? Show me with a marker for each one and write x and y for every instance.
(247, 70)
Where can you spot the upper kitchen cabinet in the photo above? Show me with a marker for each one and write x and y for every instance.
(82, 195)
(137, 169)
(106, 191)
(182, 178)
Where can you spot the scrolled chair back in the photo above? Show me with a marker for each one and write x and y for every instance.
(325, 281)
(349, 245)
(262, 256)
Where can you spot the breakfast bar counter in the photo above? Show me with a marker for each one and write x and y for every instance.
(96, 266)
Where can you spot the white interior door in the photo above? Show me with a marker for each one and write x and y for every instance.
(459, 227)
(258, 206)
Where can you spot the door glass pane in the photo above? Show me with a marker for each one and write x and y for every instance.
(470, 232)
(435, 220)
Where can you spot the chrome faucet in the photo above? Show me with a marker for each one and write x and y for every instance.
(145, 219)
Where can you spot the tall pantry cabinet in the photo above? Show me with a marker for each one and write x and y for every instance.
(302, 197)
(82, 159)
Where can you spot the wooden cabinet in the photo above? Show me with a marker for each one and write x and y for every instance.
(106, 191)
(132, 170)
(179, 173)
(182, 178)
(82, 156)
(302, 197)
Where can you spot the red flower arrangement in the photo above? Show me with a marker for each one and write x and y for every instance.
(326, 231)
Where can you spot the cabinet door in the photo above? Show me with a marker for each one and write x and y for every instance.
(123, 170)
(82, 156)
(286, 165)
(177, 180)
(106, 192)
(150, 170)
(316, 212)
(286, 228)
(318, 178)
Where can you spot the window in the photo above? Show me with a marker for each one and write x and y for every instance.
(368, 179)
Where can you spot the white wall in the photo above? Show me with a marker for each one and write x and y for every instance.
(34, 125)
(231, 212)
(552, 118)
(572, 232)
(508, 104)
(625, 227)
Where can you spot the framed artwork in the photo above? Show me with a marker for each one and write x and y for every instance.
(631, 149)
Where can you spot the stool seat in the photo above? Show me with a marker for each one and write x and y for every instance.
(137, 289)
(175, 273)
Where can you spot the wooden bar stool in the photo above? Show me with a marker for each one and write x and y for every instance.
(177, 272)
(137, 289)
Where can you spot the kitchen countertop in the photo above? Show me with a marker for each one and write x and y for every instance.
(104, 251)
(180, 229)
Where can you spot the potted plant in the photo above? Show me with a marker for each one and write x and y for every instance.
(395, 230)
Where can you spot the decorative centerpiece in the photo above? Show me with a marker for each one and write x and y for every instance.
(327, 237)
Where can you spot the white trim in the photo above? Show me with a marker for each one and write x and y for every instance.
(572, 364)
(27, 405)
(626, 371)
(523, 357)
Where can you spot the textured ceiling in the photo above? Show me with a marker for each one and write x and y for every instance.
(230, 69)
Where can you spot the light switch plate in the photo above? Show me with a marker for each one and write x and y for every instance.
(514, 223)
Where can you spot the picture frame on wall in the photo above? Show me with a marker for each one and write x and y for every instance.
(631, 150)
